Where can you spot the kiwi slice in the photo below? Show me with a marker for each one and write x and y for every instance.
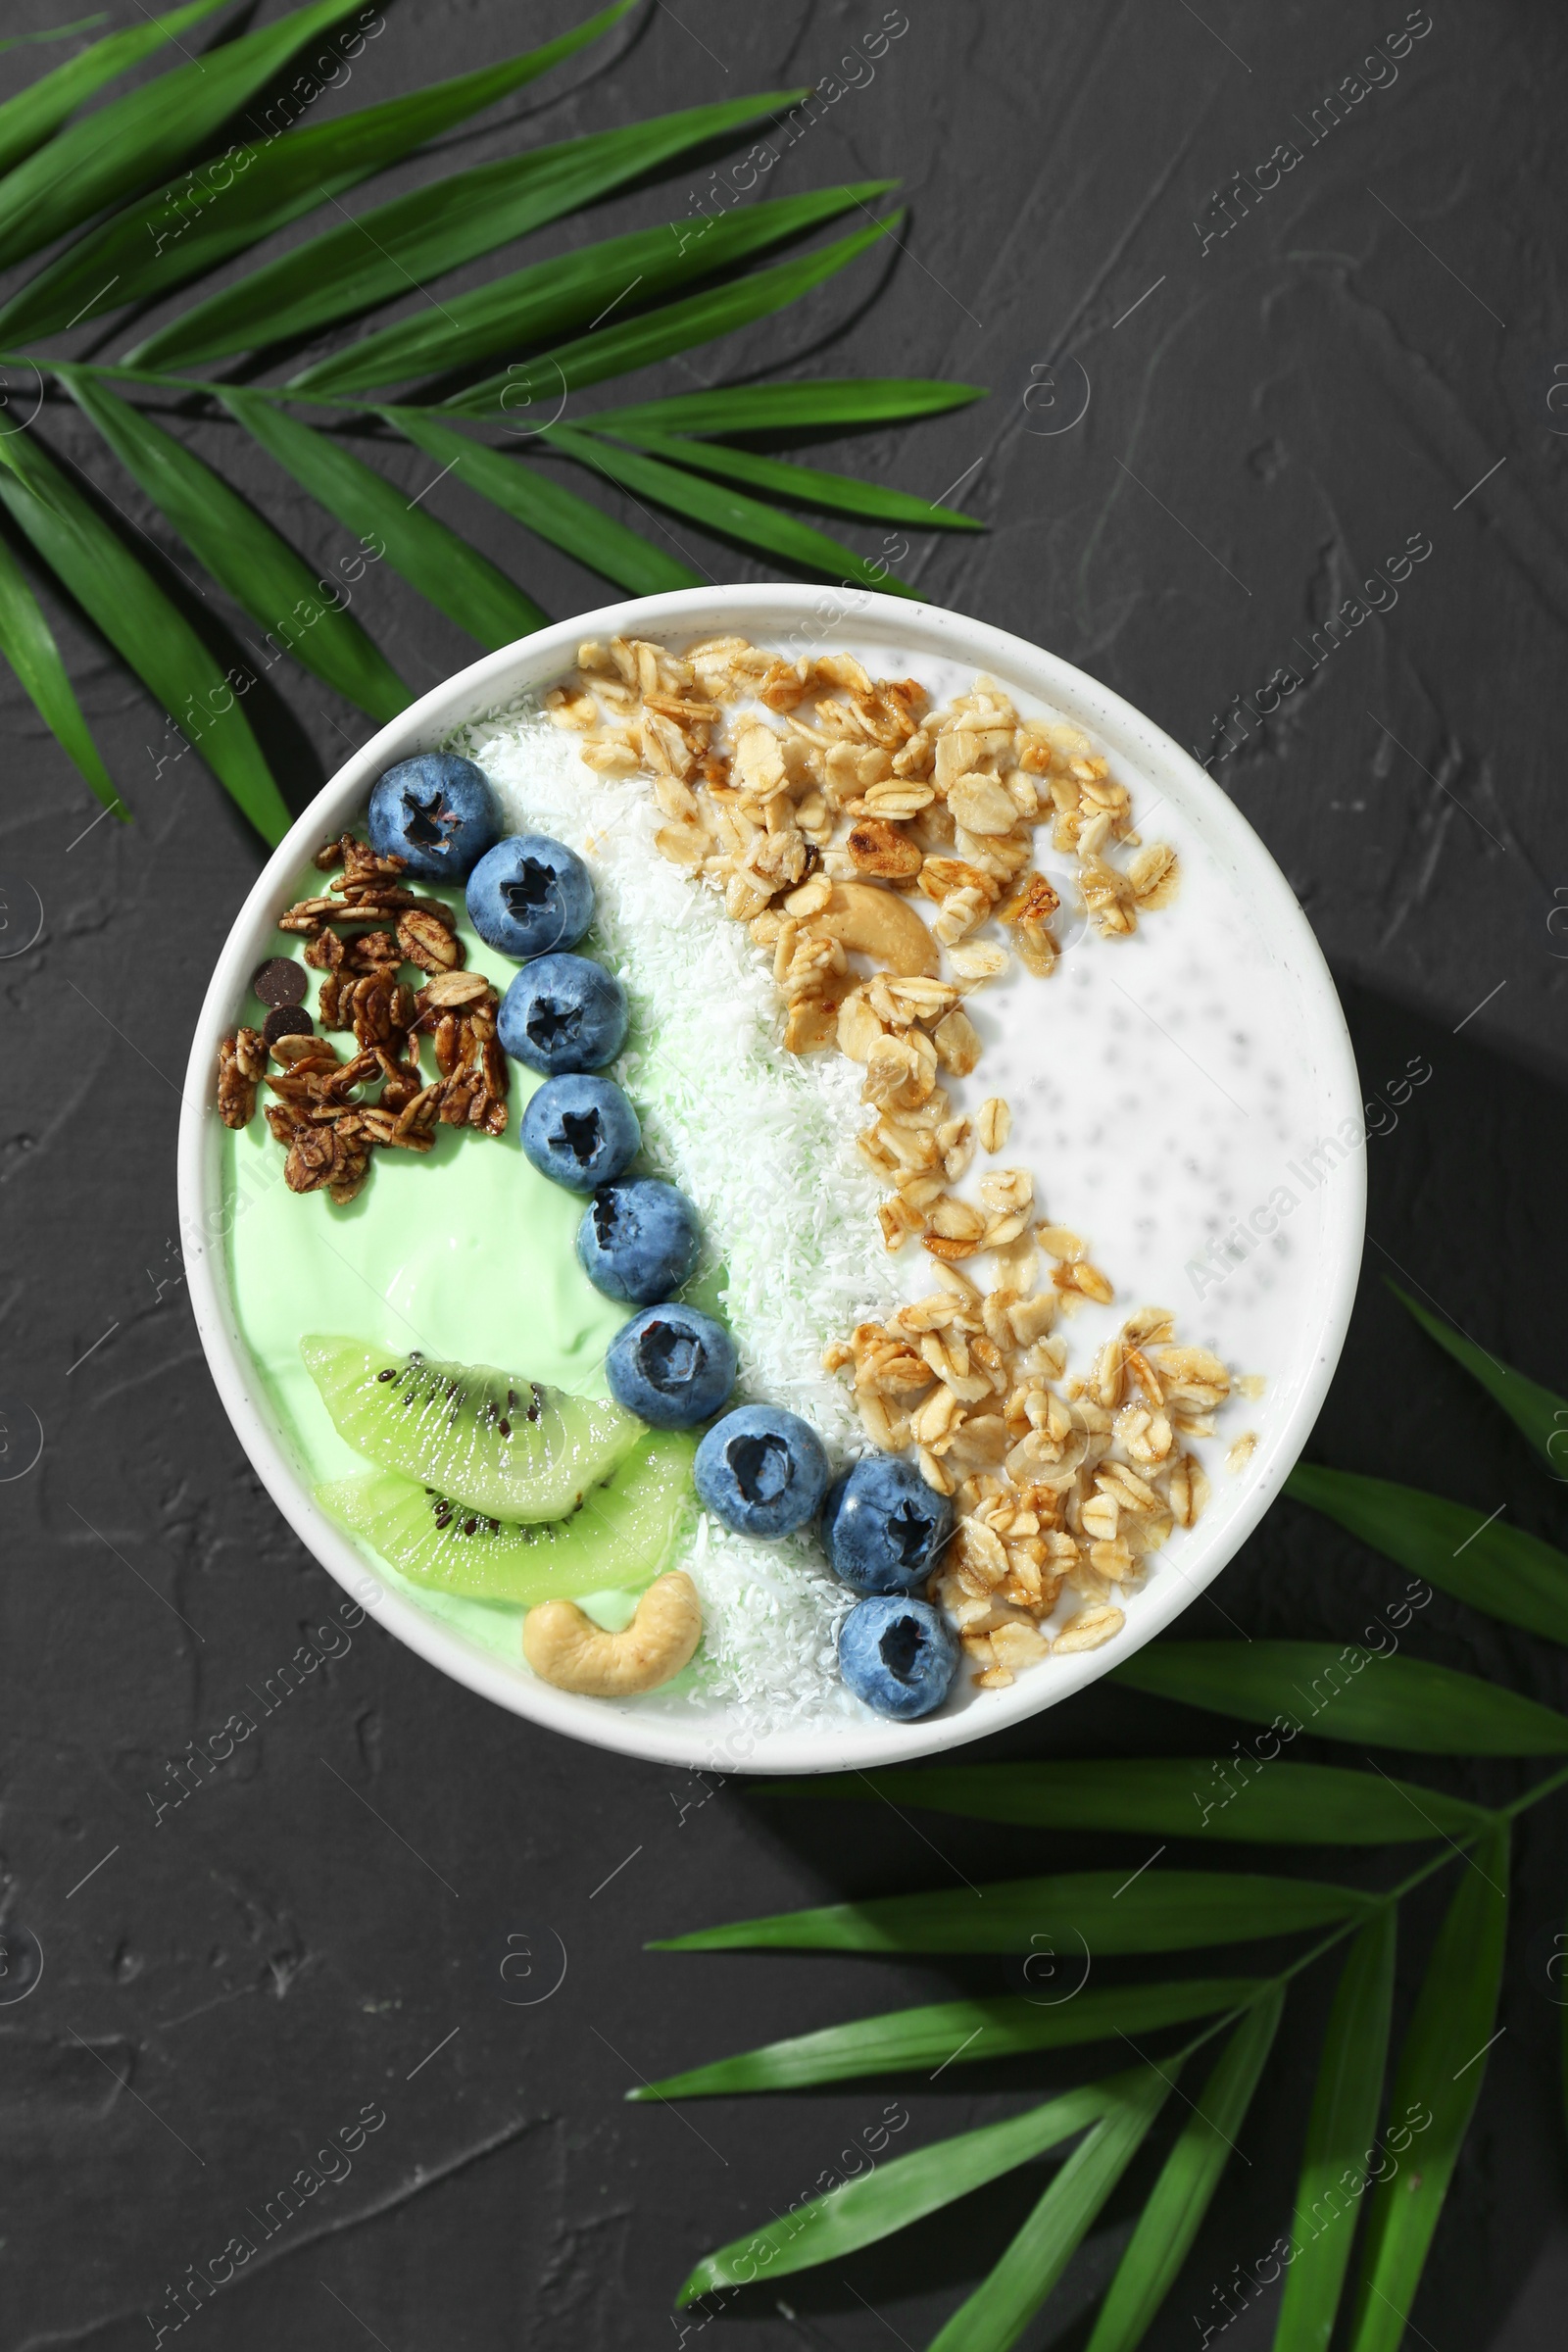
(618, 1539)
(490, 1440)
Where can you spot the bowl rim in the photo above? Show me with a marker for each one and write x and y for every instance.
(766, 608)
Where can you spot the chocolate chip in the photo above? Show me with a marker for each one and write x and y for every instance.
(279, 981)
(288, 1020)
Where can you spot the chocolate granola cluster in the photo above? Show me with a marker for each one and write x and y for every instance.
(330, 1113)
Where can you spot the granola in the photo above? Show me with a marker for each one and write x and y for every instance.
(330, 1112)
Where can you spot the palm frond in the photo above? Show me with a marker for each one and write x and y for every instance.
(1539, 1414)
(35, 114)
(146, 630)
(805, 486)
(1363, 1696)
(146, 134)
(1007, 2298)
(663, 334)
(547, 509)
(1499, 1570)
(1160, 1911)
(192, 222)
(729, 512)
(1339, 2133)
(52, 32)
(1184, 2189)
(1255, 1802)
(140, 201)
(1437, 2082)
(945, 2033)
(550, 299)
(790, 408)
(890, 2197)
(376, 257)
(458, 581)
(243, 552)
(28, 644)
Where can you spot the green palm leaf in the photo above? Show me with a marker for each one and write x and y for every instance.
(460, 583)
(659, 334)
(191, 223)
(1155, 1911)
(1184, 2189)
(865, 2208)
(37, 114)
(142, 137)
(1339, 2133)
(787, 408)
(139, 622)
(1348, 1693)
(52, 32)
(547, 509)
(996, 2314)
(1176, 1796)
(1538, 1412)
(244, 555)
(139, 210)
(1441, 2070)
(839, 492)
(555, 298)
(945, 2034)
(377, 257)
(28, 645)
(723, 511)
(1500, 1570)
(1353, 1694)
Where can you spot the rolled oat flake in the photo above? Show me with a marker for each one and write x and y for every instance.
(279, 981)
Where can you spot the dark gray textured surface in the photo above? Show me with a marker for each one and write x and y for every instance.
(1368, 354)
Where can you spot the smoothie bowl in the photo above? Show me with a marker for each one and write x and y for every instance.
(755, 1179)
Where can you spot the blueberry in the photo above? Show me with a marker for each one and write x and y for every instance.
(580, 1132)
(530, 896)
(436, 812)
(671, 1364)
(899, 1655)
(638, 1240)
(762, 1471)
(883, 1526)
(563, 1012)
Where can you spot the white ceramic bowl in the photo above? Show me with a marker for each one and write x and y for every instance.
(1318, 1047)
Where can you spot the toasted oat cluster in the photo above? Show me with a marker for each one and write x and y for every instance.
(870, 787)
(1057, 1482)
(820, 829)
(325, 1115)
(820, 801)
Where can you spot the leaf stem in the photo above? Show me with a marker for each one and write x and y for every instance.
(284, 395)
(280, 393)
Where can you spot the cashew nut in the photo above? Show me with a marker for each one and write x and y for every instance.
(566, 1648)
(877, 922)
